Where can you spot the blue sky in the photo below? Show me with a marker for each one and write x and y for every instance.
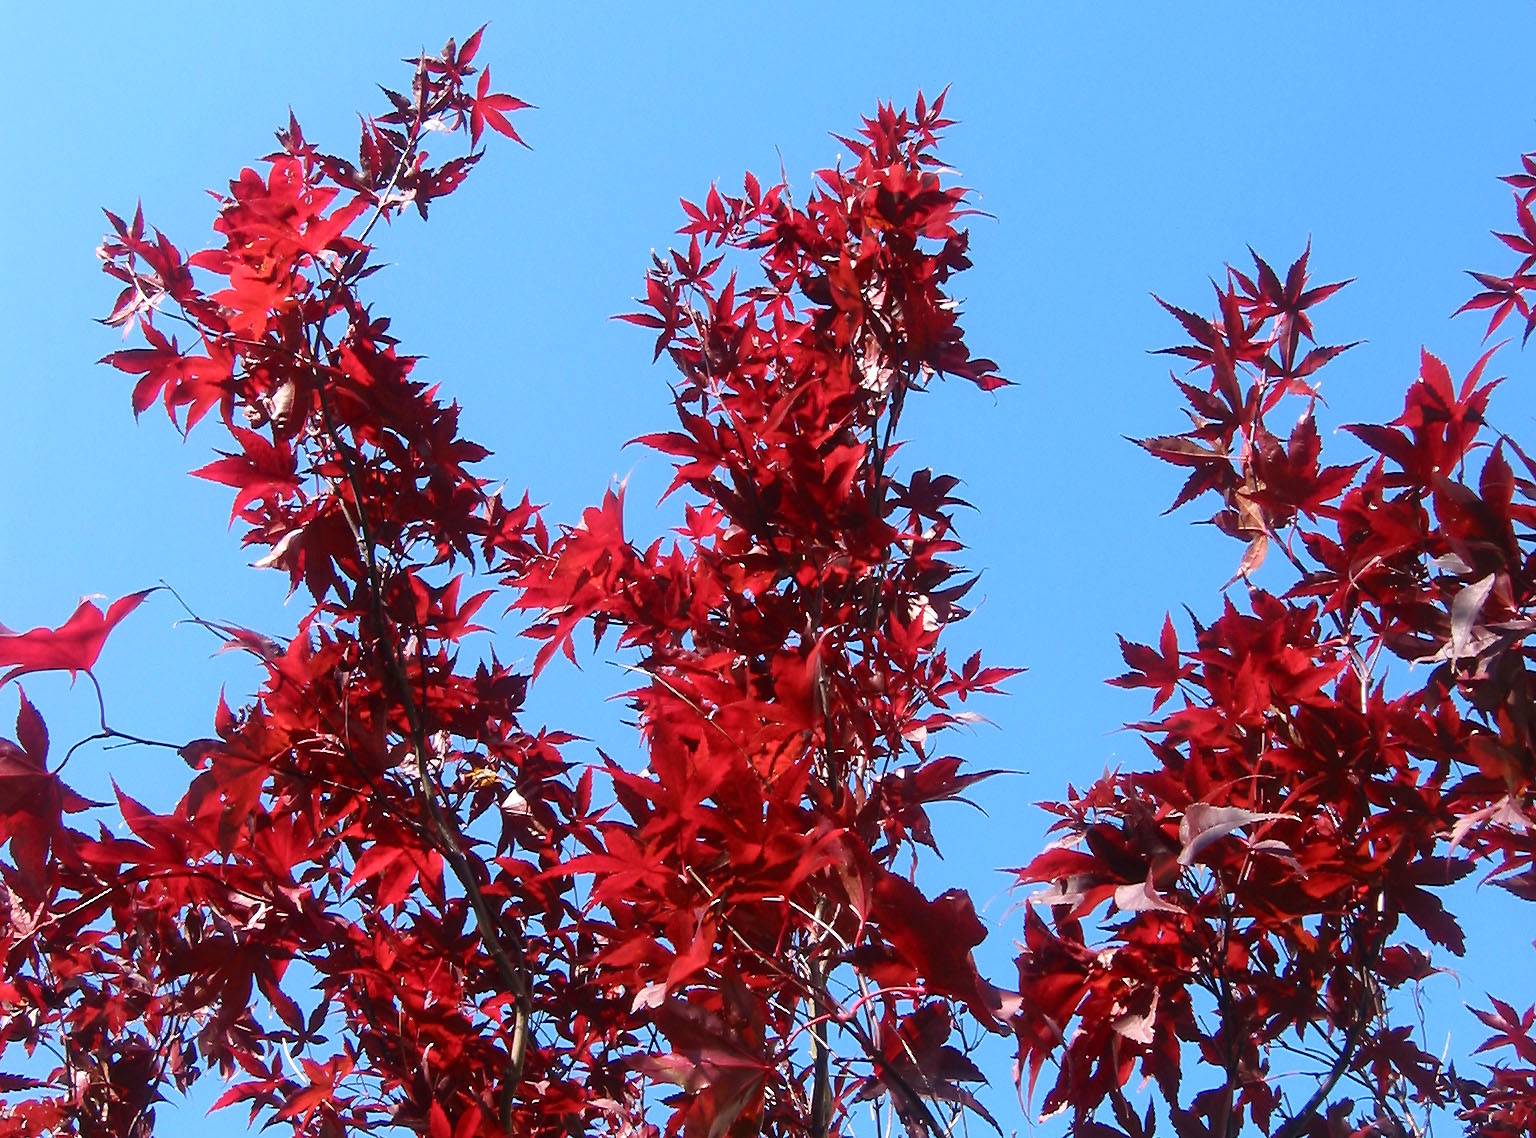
(1121, 148)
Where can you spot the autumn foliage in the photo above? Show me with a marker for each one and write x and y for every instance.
(387, 902)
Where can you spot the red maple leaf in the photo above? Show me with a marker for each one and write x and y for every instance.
(73, 647)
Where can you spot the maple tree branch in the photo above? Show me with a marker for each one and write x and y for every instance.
(821, 1100)
(106, 731)
(514, 973)
(1228, 1122)
(821, 1103)
(125, 740)
(162, 1059)
(58, 918)
(1294, 1126)
(1297, 1123)
(394, 183)
(832, 1010)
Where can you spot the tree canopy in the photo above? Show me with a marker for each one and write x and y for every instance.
(385, 900)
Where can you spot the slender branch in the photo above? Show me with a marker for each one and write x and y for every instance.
(830, 1009)
(821, 1089)
(514, 973)
(108, 732)
(1294, 1126)
(1228, 1027)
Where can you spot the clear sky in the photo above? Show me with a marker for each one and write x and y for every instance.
(1122, 148)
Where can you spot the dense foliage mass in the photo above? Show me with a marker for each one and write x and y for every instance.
(384, 902)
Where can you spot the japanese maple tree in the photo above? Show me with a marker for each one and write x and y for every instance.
(385, 902)
(1268, 887)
